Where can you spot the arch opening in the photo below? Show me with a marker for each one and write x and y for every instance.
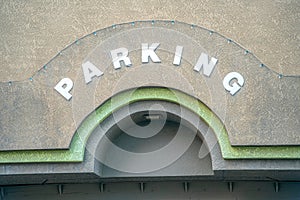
(142, 140)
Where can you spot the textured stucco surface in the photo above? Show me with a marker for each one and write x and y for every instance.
(32, 32)
(264, 112)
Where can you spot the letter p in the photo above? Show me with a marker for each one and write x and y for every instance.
(63, 87)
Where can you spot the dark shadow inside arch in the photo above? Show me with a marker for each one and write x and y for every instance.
(143, 140)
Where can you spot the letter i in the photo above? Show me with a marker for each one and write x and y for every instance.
(177, 56)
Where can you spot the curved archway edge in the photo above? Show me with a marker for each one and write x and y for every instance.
(76, 151)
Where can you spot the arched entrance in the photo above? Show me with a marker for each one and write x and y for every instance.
(152, 139)
(192, 175)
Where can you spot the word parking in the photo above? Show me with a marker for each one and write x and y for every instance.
(232, 82)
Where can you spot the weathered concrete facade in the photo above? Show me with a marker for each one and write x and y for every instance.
(35, 32)
(143, 67)
(264, 113)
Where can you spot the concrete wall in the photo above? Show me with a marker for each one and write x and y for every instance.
(34, 31)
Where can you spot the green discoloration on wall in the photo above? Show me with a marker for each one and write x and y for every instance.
(77, 148)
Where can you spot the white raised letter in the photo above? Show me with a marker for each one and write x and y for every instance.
(178, 54)
(63, 87)
(207, 67)
(149, 52)
(90, 71)
(119, 55)
(234, 87)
